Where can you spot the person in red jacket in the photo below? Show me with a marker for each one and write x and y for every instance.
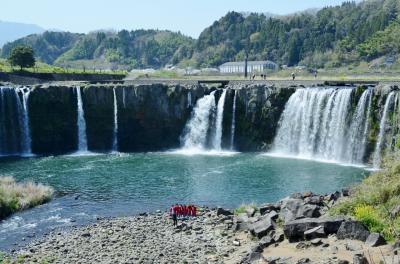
(194, 211)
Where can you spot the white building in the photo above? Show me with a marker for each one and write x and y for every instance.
(252, 66)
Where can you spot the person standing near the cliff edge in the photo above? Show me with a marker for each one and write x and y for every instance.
(293, 76)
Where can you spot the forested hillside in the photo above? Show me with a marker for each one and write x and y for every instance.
(331, 37)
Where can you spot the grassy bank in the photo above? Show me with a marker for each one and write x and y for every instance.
(376, 201)
(20, 196)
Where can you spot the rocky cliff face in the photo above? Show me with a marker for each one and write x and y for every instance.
(152, 116)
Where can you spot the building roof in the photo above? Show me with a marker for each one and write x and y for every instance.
(249, 63)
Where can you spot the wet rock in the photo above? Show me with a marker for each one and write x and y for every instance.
(353, 230)
(222, 211)
(294, 230)
(375, 240)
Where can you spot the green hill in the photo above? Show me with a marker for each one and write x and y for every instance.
(332, 37)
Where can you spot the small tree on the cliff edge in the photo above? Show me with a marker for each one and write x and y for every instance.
(22, 56)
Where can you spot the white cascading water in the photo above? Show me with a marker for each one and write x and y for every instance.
(115, 132)
(359, 127)
(25, 131)
(82, 138)
(379, 144)
(233, 127)
(12, 142)
(313, 124)
(189, 99)
(195, 132)
(218, 124)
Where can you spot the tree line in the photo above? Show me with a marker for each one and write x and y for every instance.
(331, 37)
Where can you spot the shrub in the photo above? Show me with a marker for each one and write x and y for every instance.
(369, 217)
(19, 196)
(243, 207)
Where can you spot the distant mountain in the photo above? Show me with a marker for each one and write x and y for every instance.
(10, 31)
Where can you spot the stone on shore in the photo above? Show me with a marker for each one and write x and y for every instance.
(294, 230)
(375, 240)
(353, 230)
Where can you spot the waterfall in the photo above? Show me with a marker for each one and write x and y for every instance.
(189, 99)
(123, 97)
(382, 127)
(115, 132)
(195, 132)
(82, 141)
(233, 121)
(313, 124)
(360, 122)
(15, 136)
(218, 124)
(25, 131)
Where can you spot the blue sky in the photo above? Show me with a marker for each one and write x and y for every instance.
(188, 16)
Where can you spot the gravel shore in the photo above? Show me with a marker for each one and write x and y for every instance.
(144, 239)
(295, 230)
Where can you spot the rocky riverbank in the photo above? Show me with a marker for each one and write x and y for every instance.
(297, 229)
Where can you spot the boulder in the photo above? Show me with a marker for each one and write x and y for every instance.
(346, 192)
(359, 259)
(353, 230)
(273, 215)
(266, 241)
(292, 209)
(294, 230)
(262, 227)
(316, 200)
(222, 211)
(278, 237)
(298, 196)
(395, 212)
(266, 208)
(316, 232)
(375, 240)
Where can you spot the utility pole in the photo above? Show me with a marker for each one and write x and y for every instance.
(245, 65)
(246, 51)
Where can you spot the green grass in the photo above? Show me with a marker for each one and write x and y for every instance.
(375, 199)
(20, 196)
(243, 207)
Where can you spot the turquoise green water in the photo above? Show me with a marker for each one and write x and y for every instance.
(126, 184)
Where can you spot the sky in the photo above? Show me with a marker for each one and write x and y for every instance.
(187, 16)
